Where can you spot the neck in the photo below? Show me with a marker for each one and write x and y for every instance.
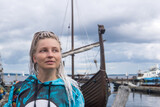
(47, 75)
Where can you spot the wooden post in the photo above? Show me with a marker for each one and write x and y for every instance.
(127, 79)
(121, 81)
(122, 96)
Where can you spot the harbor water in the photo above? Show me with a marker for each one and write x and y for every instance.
(134, 100)
(137, 99)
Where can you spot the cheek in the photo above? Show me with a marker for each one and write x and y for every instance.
(59, 58)
(37, 58)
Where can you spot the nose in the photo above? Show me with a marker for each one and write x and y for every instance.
(50, 54)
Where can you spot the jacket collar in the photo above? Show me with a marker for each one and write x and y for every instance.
(33, 78)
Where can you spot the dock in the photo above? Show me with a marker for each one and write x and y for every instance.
(146, 89)
(149, 89)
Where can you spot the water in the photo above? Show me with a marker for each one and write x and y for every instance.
(134, 99)
(137, 99)
(143, 100)
(10, 78)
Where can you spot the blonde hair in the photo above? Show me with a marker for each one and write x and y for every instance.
(68, 82)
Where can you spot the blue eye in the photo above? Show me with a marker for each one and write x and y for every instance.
(44, 50)
(55, 50)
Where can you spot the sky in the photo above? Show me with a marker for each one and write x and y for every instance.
(132, 32)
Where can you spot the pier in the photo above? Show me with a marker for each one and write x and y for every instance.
(149, 89)
(146, 89)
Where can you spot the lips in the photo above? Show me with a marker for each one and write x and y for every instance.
(50, 62)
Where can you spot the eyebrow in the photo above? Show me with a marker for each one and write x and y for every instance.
(47, 47)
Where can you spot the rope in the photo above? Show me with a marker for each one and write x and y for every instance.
(64, 17)
(88, 68)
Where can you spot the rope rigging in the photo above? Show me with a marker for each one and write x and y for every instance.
(88, 55)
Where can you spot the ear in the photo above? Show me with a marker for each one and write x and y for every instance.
(34, 59)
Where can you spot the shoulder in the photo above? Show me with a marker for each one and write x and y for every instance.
(18, 84)
(75, 88)
(78, 97)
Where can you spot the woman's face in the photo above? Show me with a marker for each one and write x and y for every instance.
(48, 54)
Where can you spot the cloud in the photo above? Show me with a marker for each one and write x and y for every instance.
(128, 67)
(15, 56)
(132, 30)
(132, 52)
(142, 32)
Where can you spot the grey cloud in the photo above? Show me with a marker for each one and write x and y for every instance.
(132, 52)
(129, 24)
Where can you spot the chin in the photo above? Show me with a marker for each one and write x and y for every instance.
(50, 68)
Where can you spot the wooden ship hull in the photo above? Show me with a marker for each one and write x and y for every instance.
(95, 90)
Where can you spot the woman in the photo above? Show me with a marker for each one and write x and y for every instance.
(48, 86)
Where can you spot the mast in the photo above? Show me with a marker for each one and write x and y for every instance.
(101, 31)
(72, 38)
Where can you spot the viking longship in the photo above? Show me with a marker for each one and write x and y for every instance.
(95, 90)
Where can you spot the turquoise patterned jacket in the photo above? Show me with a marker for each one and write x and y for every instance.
(33, 93)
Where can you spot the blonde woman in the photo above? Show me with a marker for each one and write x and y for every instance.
(48, 85)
